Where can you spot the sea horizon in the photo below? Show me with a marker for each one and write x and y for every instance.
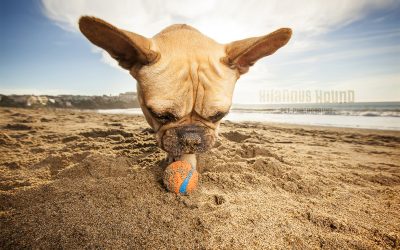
(368, 115)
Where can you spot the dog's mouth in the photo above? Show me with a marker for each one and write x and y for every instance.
(187, 139)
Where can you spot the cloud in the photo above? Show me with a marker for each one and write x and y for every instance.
(224, 20)
(228, 20)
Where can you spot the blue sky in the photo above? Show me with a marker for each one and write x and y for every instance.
(345, 45)
(38, 56)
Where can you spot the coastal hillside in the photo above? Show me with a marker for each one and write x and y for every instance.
(121, 101)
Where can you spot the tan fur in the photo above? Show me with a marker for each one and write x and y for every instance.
(182, 72)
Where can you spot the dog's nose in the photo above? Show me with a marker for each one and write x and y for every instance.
(190, 135)
(191, 139)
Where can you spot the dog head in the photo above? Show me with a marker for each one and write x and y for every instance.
(185, 79)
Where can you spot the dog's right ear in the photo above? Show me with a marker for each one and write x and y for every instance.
(128, 48)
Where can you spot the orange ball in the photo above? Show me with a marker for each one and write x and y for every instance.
(181, 178)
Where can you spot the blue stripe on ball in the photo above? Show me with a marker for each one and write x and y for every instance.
(182, 188)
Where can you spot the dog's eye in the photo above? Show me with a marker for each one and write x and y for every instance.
(218, 116)
(163, 117)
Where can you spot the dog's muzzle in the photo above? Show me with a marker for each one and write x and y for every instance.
(188, 139)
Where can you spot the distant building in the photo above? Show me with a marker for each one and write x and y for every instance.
(37, 100)
(128, 96)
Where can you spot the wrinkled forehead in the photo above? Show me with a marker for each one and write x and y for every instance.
(189, 75)
(186, 42)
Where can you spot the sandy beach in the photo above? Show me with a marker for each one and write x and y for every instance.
(75, 179)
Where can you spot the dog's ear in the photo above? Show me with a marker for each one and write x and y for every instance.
(126, 47)
(244, 53)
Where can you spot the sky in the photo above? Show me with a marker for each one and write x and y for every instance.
(336, 45)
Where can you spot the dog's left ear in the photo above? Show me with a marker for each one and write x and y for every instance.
(244, 53)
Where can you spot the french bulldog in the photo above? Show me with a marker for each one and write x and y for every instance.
(185, 80)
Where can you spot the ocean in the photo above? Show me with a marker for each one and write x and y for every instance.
(369, 115)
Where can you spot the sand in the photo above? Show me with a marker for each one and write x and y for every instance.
(74, 179)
